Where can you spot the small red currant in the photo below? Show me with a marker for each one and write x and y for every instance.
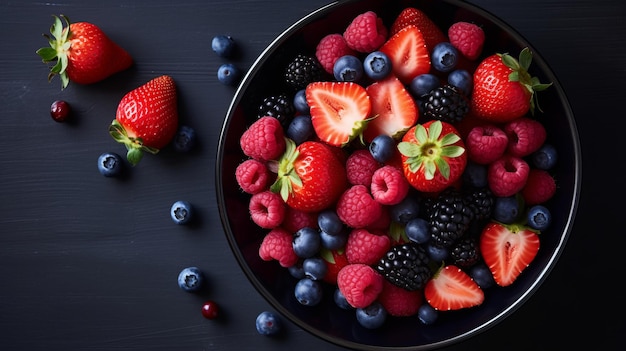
(60, 110)
(210, 310)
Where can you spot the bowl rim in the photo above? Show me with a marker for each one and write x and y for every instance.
(491, 322)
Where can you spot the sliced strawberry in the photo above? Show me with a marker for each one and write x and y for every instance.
(408, 53)
(412, 16)
(452, 289)
(339, 110)
(508, 250)
(393, 108)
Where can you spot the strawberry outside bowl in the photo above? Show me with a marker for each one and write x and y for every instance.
(325, 320)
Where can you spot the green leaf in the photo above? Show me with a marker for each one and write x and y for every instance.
(452, 151)
(434, 130)
(541, 86)
(450, 139)
(420, 134)
(525, 58)
(444, 167)
(409, 149)
(429, 170)
(510, 62)
(47, 54)
(327, 256)
(514, 76)
(134, 155)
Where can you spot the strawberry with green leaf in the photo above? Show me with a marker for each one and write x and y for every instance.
(310, 176)
(504, 89)
(339, 111)
(433, 156)
(508, 249)
(335, 260)
(146, 118)
(84, 54)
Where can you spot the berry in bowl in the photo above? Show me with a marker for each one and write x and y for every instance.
(398, 174)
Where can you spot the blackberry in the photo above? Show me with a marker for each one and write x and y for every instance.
(406, 265)
(278, 106)
(302, 71)
(447, 104)
(449, 217)
(481, 201)
(465, 252)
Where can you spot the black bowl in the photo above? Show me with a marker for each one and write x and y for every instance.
(326, 320)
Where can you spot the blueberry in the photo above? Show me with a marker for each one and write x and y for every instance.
(296, 271)
(300, 129)
(315, 268)
(444, 57)
(348, 68)
(482, 275)
(544, 158)
(404, 211)
(223, 45)
(506, 209)
(418, 230)
(377, 65)
(308, 292)
(475, 175)
(228, 74)
(462, 80)
(427, 314)
(110, 164)
(185, 139)
(306, 242)
(423, 84)
(268, 323)
(539, 217)
(190, 279)
(300, 103)
(372, 316)
(329, 222)
(181, 212)
(333, 242)
(340, 300)
(382, 148)
(437, 253)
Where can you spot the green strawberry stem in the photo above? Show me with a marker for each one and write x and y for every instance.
(429, 151)
(286, 175)
(134, 145)
(59, 47)
(520, 74)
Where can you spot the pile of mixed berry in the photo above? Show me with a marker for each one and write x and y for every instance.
(405, 166)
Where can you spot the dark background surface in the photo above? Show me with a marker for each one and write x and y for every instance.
(90, 263)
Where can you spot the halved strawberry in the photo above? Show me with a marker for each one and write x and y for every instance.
(508, 250)
(412, 16)
(452, 289)
(393, 109)
(339, 110)
(408, 53)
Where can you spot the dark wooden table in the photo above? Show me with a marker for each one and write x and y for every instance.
(90, 263)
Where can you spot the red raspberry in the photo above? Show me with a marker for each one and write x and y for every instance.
(356, 207)
(526, 136)
(366, 32)
(264, 140)
(253, 176)
(389, 186)
(468, 38)
(360, 167)
(400, 302)
(486, 144)
(296, 219)
(276, 245)
(267, 209)
(360, 284)
(366, 247)
(540, 187)
(507, 175)
(330, 48)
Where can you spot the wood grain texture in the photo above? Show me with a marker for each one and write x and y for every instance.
(90, 263)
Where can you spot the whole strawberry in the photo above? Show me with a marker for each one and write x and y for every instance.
(146, 118)
(433, 156)
(310, 176)
(84, 54)
(503, 88)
